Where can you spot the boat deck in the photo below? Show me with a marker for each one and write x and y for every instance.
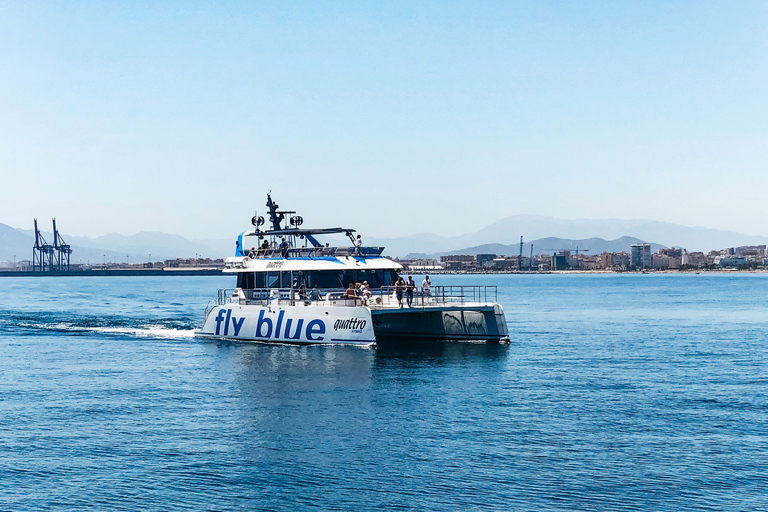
(381, 298)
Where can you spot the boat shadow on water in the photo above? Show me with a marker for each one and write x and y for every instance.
(441, 351)
(345, 364)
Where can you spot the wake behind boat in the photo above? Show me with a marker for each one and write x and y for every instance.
(293, 289)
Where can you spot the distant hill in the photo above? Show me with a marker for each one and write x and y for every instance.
(15, 243)
(507, 231)
(161, 246)
(113, 247)
(533, 227)
(549, 245)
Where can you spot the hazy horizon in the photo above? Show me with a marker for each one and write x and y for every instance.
(593, 235)
(46, 227)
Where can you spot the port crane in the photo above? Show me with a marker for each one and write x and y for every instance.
(50, 257)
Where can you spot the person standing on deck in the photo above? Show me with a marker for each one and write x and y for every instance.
(426, 284)
(410, 285)
(399, 288)
(358, 245)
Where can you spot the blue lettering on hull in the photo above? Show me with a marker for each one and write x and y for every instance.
(314, 331)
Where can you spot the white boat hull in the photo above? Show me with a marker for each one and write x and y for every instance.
(304, 325)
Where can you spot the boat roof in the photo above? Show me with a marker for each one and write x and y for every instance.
(297, 232)
(287, 224)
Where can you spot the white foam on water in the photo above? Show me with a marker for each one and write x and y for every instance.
(146, 332)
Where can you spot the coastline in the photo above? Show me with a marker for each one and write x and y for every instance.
(647, 271)
(217, 272)
(115, 272)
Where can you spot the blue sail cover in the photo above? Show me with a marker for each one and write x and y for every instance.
(239, 245)
(313, 241)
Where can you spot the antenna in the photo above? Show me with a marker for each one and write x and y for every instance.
(275, 216)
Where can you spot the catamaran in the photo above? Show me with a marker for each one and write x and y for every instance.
(293, 289)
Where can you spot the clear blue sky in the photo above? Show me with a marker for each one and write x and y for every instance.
(390, 117)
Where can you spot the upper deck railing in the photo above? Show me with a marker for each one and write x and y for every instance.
(380, 297)
(314, 252)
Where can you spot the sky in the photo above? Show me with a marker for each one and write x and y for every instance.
(392, 118)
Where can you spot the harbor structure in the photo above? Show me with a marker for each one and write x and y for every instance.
(50, 257)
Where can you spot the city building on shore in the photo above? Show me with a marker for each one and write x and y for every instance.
(640, 256)
(617, 261)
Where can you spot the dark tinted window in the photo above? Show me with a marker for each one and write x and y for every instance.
(245, 280)
(315, 279)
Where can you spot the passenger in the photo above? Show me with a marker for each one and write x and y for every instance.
(252, 253)
(410, 285)
(426, 284)
(264, 246)
(366, 290)
(358, 245)
(361, 294)
(284, 248)
(352, 293)
(302, 292)
(399, 289)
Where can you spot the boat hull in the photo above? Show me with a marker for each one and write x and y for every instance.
(482, 322)
(309, 325)
(302, 325)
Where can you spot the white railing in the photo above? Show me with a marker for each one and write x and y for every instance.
(380, 297)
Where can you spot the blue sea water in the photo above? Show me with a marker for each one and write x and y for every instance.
(617, 392)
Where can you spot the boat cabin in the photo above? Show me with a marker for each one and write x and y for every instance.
(288, 257)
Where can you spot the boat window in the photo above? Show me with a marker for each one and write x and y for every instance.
(375, 278)
(340, 279)
(245, 280)
(273, 280)
(324, 279)
(260, 280)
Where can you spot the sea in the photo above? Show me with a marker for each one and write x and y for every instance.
(616, 392)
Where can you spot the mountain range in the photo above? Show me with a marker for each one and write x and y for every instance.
(549, 245)
(547, 234)
(536, 227)
(112, 247)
